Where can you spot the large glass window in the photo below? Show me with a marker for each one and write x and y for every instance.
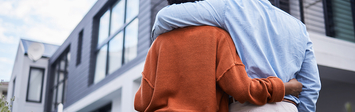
(60, 74)
(117, 39)
(35, 85)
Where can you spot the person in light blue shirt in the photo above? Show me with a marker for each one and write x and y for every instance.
(269, 41)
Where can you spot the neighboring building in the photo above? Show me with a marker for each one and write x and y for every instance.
(28, 77)
(98, 68)
(3, 89)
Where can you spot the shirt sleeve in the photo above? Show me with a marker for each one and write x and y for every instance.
(309, 77)
(208, 12)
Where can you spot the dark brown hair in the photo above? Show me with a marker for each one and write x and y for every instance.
(180, 1)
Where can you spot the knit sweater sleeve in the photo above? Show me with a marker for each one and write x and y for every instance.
(233, 79)
(236, 83)
(143, 95)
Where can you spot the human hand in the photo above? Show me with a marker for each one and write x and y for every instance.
(293, 87)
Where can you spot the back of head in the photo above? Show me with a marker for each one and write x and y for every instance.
(180, 1)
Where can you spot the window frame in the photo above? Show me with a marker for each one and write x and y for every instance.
(28, 84)
(80, 47)
(57, 70)
(329, 18)
(111, 36)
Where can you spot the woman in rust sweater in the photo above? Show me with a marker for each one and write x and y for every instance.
(194, 69)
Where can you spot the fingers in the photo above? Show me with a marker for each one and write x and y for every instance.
(297, 87)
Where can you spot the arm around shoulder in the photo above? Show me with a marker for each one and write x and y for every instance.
(233, 79)
(208, 12)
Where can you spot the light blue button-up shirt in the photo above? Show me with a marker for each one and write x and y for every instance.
(269, 41)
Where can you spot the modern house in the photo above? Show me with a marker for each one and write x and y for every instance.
(27, 83)
(98, 68)
(108, 49)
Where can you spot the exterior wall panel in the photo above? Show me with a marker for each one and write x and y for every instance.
(79, 76)
(156, 6)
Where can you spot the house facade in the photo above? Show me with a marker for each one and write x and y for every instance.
(27, 83)
(108, 49)
(98, 67)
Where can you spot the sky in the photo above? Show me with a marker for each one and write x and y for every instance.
(48, 21)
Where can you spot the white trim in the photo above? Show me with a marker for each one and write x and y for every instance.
(333, 52)
(124, 81)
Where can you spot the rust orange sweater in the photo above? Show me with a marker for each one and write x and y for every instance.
(194, 69)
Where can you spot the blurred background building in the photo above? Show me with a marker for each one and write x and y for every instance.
(98, 68)
(3, 89)
(28, 77)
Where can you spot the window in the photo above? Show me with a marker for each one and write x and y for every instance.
(106, 108)
(13, 93)
(60, 74)
(35, 85)
(339, 18)
(80, 45)
(117, 38)
(282, 4)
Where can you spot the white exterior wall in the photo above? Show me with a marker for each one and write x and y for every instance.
(120, 91)
(21, 73)
(333, 52)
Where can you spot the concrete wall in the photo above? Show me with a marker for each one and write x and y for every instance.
(119, 91)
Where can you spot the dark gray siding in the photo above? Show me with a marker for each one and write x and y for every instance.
(79, 77)
(156, 6)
